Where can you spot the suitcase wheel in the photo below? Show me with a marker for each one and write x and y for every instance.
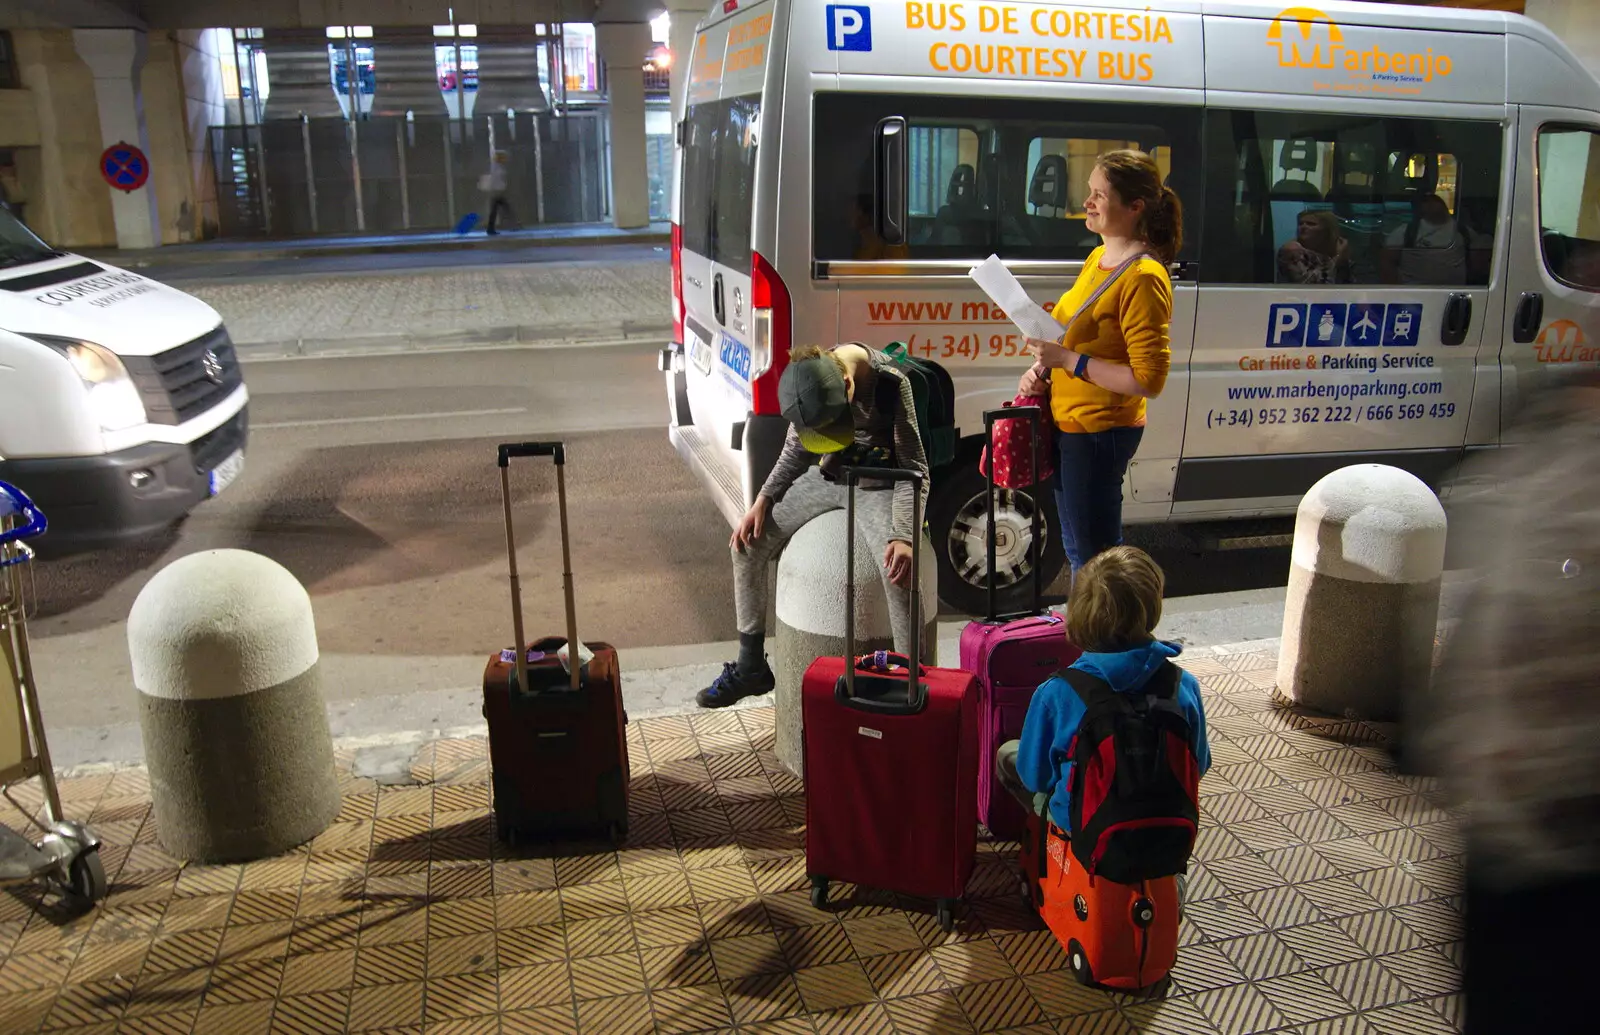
(615, 834)
(947, 915)
(819, 892)
(1080, 963)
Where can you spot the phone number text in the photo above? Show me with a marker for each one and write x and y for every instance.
(1268, 416)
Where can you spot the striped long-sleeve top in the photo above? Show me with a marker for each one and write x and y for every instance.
(877, 425)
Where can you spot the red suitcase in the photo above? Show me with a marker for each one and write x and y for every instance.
(1120, 936)
(1011, 654)
(890, 762)
(558, 750)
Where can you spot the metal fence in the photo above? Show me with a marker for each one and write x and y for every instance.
(382, 175)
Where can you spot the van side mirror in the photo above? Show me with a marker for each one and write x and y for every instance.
(889, 168)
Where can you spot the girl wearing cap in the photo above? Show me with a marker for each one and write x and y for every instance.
(1113, 356)
(848, 405)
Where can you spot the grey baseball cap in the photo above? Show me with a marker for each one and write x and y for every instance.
(814, 398)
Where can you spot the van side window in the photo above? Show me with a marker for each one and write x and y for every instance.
(9, 79)
(1569, 205)
(719, 176)
(985, 176)
(1311, 199)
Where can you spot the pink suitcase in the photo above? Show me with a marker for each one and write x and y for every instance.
(1010, 655)
(890, 763)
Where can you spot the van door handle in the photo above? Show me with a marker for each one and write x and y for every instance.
(1530, 317)
(718, 307)
(1457, 319)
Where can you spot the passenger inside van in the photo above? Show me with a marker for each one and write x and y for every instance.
(1433, 248)
(1319, 254)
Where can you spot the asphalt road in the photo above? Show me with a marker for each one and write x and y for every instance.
(264, 264)
(372, 479)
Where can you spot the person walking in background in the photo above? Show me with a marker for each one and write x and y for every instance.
(494, 183)
(1512, 726)
(1115, 355)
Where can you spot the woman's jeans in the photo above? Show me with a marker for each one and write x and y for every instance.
(1089, 474)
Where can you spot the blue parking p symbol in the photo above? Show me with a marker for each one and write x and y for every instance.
(1286, 326)
(849, 27)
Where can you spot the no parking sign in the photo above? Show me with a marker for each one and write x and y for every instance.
(124, 166)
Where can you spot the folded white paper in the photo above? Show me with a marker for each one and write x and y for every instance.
(1009, 294)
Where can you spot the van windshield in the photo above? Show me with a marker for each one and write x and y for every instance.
(19, 245)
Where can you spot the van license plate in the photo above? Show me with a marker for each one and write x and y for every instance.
(224, 473)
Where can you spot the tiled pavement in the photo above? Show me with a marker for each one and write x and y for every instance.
(1324, 900)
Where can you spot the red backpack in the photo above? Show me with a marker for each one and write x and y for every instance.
(1135, 781)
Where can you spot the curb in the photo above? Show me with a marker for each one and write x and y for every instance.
(173, 254)
(548, 335)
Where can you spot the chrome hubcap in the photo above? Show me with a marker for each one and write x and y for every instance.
(1013, 519)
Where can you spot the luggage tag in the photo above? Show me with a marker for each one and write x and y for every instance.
(510, 656)
(585, 655)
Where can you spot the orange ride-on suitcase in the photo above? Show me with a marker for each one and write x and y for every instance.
(1121, 936)
(558, 748)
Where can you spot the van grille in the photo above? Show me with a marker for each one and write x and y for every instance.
(179, 384)
(215, 446)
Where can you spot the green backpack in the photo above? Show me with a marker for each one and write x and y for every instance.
(935, 398)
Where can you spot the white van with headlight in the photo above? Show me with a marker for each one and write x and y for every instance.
(842, 166)
(122, 405)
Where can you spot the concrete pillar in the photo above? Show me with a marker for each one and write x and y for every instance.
(680, 40)
(623, 47)
(1363, 602)
(224, 652)
(1577, 22)
(116, 59)
(810, 604)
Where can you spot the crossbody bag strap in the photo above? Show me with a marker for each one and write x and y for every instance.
(1105, 285)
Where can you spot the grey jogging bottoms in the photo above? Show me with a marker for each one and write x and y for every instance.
(812, 496)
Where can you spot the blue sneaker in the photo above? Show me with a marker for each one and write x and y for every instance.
(733, 686)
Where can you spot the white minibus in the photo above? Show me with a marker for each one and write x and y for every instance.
(842, 166)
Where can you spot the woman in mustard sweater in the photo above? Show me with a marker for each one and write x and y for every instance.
(1115, 355)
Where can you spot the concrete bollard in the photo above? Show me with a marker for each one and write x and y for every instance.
(236, 739)
(810, 603)
(1363, 602)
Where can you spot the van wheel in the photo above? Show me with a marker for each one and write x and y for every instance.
(958, 527)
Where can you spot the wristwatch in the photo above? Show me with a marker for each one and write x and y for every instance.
(1083, 365)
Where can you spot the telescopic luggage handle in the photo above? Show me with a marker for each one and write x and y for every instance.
(1036, 547)
(914, 671)
(556, 451)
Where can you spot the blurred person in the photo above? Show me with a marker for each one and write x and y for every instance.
(494, 183)
(1319, 253)
(1513, 720)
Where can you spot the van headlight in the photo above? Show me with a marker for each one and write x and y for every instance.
(113, 397)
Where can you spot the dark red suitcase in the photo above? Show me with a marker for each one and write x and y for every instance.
(890, 762)
(558, 750)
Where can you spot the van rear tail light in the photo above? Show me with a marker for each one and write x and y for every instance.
(774, 328)
(677, 283)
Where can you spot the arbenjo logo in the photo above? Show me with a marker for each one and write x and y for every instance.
(849, 28)
(1310, 39)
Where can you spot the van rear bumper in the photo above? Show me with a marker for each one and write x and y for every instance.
(92, 503)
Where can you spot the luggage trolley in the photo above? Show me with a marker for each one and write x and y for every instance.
(68, 855)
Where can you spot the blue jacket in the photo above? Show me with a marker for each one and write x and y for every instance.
(1056, 711)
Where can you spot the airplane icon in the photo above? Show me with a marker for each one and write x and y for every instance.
(1366, 330)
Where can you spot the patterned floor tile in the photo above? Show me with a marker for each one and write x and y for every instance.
(762, 998)
(833, 986)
